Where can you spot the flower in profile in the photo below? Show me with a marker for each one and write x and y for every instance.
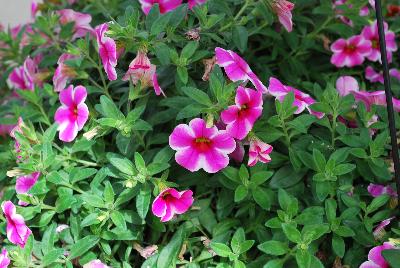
(375, 258)
(25, 183)
(63, 72)
(241, 117)
(379, 231)
(73, 113)
(18, 128)
(346, 85)
(350, 52)
(259, 151)
(374, 76)
(17, 231)
(25, 77)
(371, 34)
(170, 202)
(376, 190)
(237, 68)
(81, 20)
(301, 100)
(283, 9)
(4, 260)
(34, 8)
(193, 3)
(95, 264)
(164, 5)
(141, 69)
(199, 147)
(107, 51)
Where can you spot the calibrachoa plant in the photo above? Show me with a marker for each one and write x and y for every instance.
(199, 133)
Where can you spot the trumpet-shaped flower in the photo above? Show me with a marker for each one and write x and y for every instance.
(376, 190)
(107, 51)
(4, 259)
(25, 77)
(350, 52)
(283, 9)
(63, 72)
(375, 258)
(17, 231)
(346, 85)
(199, 147)
(301, 100)
(140, 69)
(25, 183)
(164, 5)
(95, 264)
(73, 113)
(259, 151)
(241, 117)
(170, 202)
(81, 20)
(237, 68)
(371, 34)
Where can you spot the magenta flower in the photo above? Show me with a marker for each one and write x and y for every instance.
(25, 183)
(350, 52)
(241, 117)
(34, 8)
(283, 9)
(375, 258)
(193, 3)
(81, 20)
(4, 260)
(374, 76)
(95, 264)
(371, 33)
(140, 69)
(237, 68)
(381, 227)
(73, 113)
(375, 98)
(63, 72)
(259, 151)
(395, 73)
(238, 154)
(170, 202)
(17, 231)
(302, 100)
(346, 85)
(26, 76)
(376, 190)
(164, 5)
(107, 51)
(199, 147)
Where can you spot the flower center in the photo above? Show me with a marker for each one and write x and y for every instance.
(203, 144)
(243, 110)
(350, 48)
(375, 44)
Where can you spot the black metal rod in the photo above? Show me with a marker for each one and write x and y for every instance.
(388, 92)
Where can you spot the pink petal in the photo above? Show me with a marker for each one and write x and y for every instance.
(25, 183)
(159, 207)
(189, 158)
(346, 84)
(67, 96)
(214, 161)
(68, 131)
(181, 138)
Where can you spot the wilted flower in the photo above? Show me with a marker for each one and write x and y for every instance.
(283, 9)
(301, 100)
(346, 85)
(107, 51)
(73, 113)
(200, 147)
(237, 68)
(164, 5)
(17, 231)
(393, 10)
(380, 229)
(350, 52)
(376, 190)
(81, 20)
(61, 228)
(146, 252)
(259, 151)
(95, 264)
(241, 117)
(208, 67)
(375, 258)
(25, 183)
(63, 72)
(170, 202)
(140, 69)
(4, 260)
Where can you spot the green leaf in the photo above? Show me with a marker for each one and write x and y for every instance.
(189, 49)
(240, 37)
(140, 163)
(338, 245)
(109, 193)
(343, 169)
(319, 160)
(82, 246)
(240, 193)
(274, 264)
(182, 74)
(291, 232)
(160, 24)
(244, 174)
(169, 253)
(191, 110)
(118, 219)
(377, 202)
(143, 202)
(78, 174)
(52, 256)
(286, 177)
(237, 239)
(121, 163)
(303, 259)
(220, 249)
(109, 109)
(261, 196)
(330, 209)
(197, 95)
(392, 256)
(275, 248)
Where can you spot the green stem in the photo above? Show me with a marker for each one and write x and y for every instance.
(246, 4)
(333, 130)
(44, 206)
(285, 131)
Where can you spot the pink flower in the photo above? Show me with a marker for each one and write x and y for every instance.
(199, 147)
(26, 76)
(371, 33)
(34, 9)
(73, 113)
(81, 20)
(259, 151)
(381, 227)
(376, 190)
(346, 85)
(25, 183)
(241, 117)
(283, 9)
(17, 231)
(107, 51)
(375, 98)
(375, 259)
(63, 72)
(95, 264)
(193, 3)
(238, 154)
(302, 100)
(395, 73)
(350, 52)
(4, 260)
(170, 202)
(373, 76)
(142, 70)
(237, 68)
(164, 5)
